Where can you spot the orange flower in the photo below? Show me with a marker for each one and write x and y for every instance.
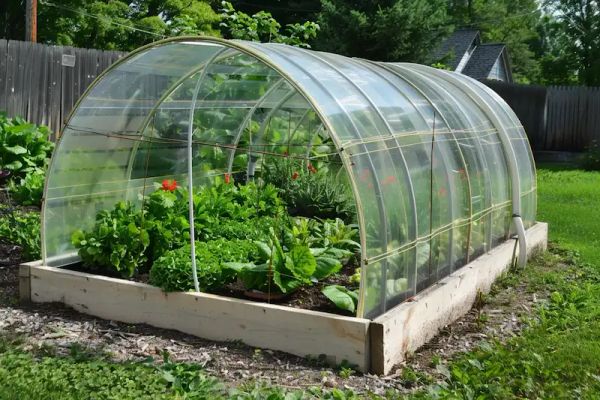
(169, 185)
(311, 168)
(295, 175)
(227, 178)
(389, 180)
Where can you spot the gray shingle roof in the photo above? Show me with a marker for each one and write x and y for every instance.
(482, 60)
(457, 43)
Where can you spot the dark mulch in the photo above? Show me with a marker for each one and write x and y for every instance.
(306, 298)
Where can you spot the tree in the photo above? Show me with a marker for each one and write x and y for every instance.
(572, 48)
(122, 25)
(284, 11)
(385, 30)
(513, 22)
(262, 27)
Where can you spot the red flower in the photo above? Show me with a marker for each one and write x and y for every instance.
(389, 180)
(227, 178)
(169, 185)
(295, 175)
(442, 192)
(311, 168)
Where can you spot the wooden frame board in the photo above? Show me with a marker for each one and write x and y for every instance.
(374, 346)
(408, 326)
(295, 331)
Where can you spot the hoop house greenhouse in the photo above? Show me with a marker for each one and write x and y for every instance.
(432, 167)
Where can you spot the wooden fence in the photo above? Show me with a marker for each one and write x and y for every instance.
(556, 118)
(42, 83)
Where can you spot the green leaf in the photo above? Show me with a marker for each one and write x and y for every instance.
(16, 149)
(301, 262)
(264, 250)
(326, 266)
(14, 166)
(341, 297)
(238, 266)
(285, 283)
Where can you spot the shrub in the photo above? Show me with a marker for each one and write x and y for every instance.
(29, 190)
(173, 271)
(117, 242)
(24, 147)
(22, 229)
(590, 160)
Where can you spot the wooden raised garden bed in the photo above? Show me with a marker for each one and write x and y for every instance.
(374, 346)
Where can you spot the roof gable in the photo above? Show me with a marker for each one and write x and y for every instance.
(483, 59)
(457, 45)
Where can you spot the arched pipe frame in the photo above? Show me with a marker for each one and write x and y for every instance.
(236, 45)
(254, 51)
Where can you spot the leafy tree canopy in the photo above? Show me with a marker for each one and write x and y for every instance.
(262, 27)
(386, 30)
(570, 52)
(121, 25)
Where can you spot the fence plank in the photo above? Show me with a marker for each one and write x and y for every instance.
(557, 118)
(34, 84)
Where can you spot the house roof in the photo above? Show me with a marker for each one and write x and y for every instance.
(457, 43)
(483, 59)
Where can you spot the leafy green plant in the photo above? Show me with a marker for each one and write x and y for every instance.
(223, 200)
(285, 270)
(116, 243)
(251, 229)
(29, 190)
(166, 220)
(310, 192)
(188, 381)
(22, 229)
(262, 27)
(24, 147)
(342, 297)
(173, 271)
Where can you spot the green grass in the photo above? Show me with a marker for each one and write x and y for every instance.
(570, 202)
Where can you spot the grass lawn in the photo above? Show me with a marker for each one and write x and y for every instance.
(570, 201)
(557, 357)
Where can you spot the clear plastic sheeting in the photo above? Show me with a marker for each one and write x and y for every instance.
(434, 159)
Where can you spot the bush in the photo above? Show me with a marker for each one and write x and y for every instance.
(590, 160)
(24, 147)
(117, 243)
(22, 229)
(29, 190)
(173, 271)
